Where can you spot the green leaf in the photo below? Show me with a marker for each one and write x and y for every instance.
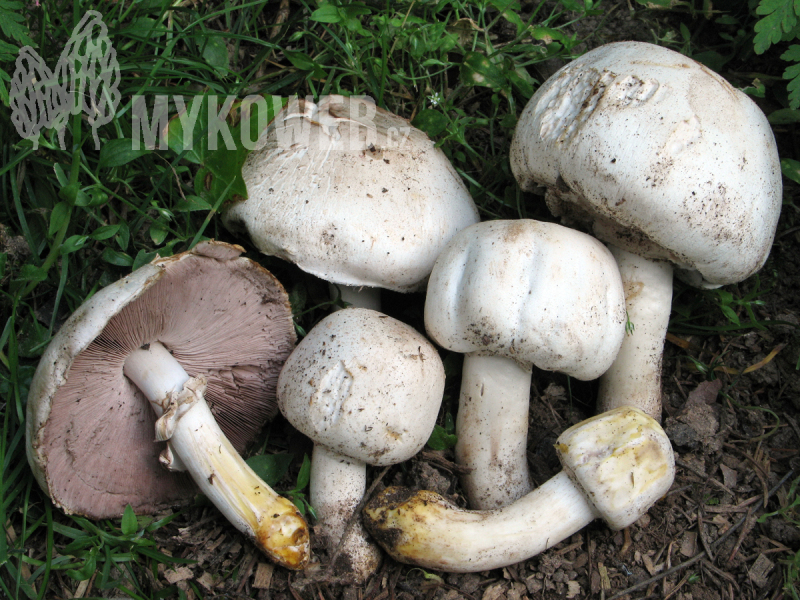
(215, 53)
(130, 524)
(32, 273)
(478, 70)
(73, 243)
(304, 476)
(145, 28)
(105, 232)
(784, 116)
(59, 217)
(88, 568)
(441, 440)
(116, 258)
(191, 203)
(780, 16)
(792, 54)
(270, 467)
(158, 232)
(300, 60)
(327, 13)
(791, 169)
(792, 73)
(124, 235)
(142, 258)
(730, 314)
(12, 22)
(116, 153)
(431, 121)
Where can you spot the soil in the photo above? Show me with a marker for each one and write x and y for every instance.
(730, 409)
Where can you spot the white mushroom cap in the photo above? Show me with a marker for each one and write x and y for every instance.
(511, 294)
(367, 389)
(536, 293)
(364, 385)
(657, 155)
(90, 430)
(357, 197)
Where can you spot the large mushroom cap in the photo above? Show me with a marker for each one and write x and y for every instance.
(659, 156)
(90, 431)
(363, 385)
(537, 293)
(352, 194)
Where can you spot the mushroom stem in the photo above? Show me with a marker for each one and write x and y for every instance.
(337, 486)
(272, 522)
(616, 465)
(358, 296)
(426, 530)
(634, 378)
(492, 429)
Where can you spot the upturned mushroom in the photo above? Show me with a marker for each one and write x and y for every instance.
(510, 295)
(366, 389)
(202, 324)
(616, 466)
(671, 166)
(352, 194)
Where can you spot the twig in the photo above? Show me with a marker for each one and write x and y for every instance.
(688, 466)
(698, 557)
(703, 538)
(749, 521)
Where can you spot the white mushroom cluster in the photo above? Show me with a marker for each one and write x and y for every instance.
(645, 149)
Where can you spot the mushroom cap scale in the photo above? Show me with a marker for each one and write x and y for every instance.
(658, 155)
(90, 430)
(537, 293)
(355, 199)
(364, 385)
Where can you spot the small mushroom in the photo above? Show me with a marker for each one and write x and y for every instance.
(202, 324)
(352, 194)
(670, 165)
(616, 465)
(366, 389)
(512, 294)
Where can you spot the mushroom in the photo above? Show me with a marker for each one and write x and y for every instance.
(616, 465)
(512, 294)
(352, 194)
(204, 323)
(366, 389)
(670, 165)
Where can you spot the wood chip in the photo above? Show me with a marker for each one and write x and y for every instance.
(721, 522)
(760, 570)
(494, 592)
(605, 580)
(178, 574)
(206, 580)
(729, 476)
(651, 568)
(689, 544)
(573, 589)
(263, 576)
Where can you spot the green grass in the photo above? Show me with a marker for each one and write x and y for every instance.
(461, 70)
